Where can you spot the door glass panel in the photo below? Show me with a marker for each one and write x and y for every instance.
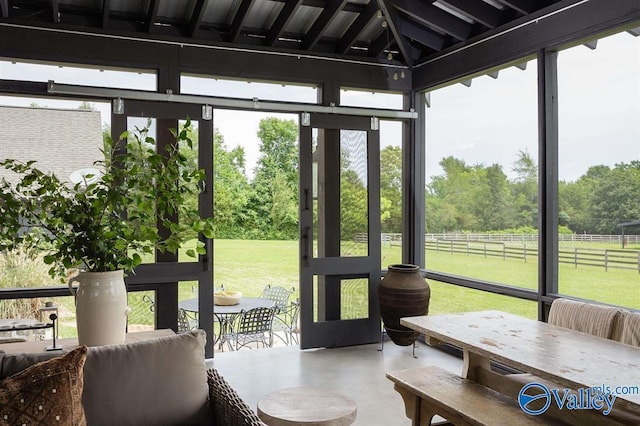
(353, 294)
(354, 208)
(354, 298)
(340, 174)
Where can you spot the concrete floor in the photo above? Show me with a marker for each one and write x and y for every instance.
(355, 371)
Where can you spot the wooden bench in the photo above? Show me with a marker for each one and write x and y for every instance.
(431, 391)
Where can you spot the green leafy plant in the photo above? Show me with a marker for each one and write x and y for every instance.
(137, 202)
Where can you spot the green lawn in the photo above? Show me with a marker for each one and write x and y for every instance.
(248, 266)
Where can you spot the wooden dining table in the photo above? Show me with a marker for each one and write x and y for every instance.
(564, 357)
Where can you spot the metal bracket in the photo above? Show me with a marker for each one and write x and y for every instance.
(305, 119)
(375, 123)
(117, 106)
(207, 112)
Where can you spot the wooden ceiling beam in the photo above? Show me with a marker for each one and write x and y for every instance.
(285, 15)
(380, 44)
(422, 35)
(4, 8)
(196, 16)
(357, 27)
(523, 6)
(325, 18)
(55, 8)
(152, 14)
(479, 11)
(391, 15)
(106, 8)
(432, 16)
(239, 18)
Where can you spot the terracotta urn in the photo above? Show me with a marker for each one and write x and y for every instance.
(403, 292)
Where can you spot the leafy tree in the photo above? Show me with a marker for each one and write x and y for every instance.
(279, 157)
(231, 189)
(391, 189)
(525, 189)
(616, 198)
(353, 205)
(87, 106)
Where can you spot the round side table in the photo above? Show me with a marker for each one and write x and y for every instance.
(306, 405)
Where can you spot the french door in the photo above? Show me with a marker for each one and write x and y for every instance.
(339, 230)
(164, 273)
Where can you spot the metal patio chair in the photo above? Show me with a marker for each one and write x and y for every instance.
(285, 324)
(186, 322)
(252, 326)
(278, 294)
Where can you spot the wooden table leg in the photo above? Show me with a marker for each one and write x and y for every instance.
(471, 362)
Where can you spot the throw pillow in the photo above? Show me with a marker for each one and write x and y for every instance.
(49, 392)
(155, 382)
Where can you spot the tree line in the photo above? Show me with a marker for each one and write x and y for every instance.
(473, 198)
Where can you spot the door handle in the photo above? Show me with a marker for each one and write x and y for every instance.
(307, 242)
(306, 198)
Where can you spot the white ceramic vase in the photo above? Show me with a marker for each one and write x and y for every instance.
(101, 307)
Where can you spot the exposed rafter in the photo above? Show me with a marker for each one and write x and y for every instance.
(196, 16)
(239, 18)
(281, 21)
(56, 10)
(357, 27)
(327, 16)
(152, 14)
(391, 15)
(479, 11)
(416, 30)
(4, 8)
(422, 35)
(106, 8)
(523, 6)
(434, 17)
(380, 44)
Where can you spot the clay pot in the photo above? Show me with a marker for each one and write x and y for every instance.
(403, 292)
(101, 307)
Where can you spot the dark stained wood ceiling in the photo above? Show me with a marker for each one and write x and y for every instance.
(404, 32)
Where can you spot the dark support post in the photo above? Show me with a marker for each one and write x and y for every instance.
(413, 178)
(329, 217)
(548, 179)
(166, 293)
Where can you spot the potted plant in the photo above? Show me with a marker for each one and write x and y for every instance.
(136, 201)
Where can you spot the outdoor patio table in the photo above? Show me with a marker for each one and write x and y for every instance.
(565, 357)
(226, 315)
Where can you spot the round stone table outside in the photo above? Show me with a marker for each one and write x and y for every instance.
(306, 406)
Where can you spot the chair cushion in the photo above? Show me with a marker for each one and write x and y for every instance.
(631, 328)
(159, 381)
(585, 317)
(49, 392)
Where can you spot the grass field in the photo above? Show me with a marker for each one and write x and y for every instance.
(248, 266)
